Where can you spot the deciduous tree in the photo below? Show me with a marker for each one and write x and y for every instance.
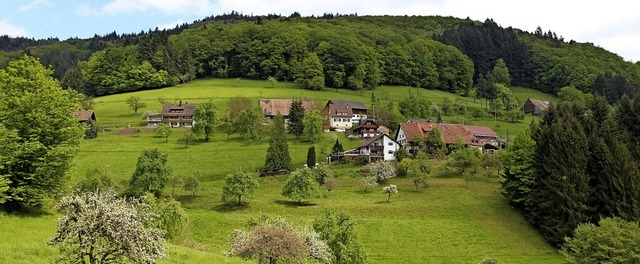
(163, 131)
(338, 230)
(383, 170)
(238, 185)
(151, 173)
(204, 117)
(301, 185)
(312, 123)
(135, 103)
(391, 189)
(38, 133)
(99, 227)
(613, 240)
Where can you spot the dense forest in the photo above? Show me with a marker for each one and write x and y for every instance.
(579, 164)
(339, 51)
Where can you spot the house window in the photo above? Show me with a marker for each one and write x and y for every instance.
(390, 152)
(348, 120)
(390, 143)
(335, 120)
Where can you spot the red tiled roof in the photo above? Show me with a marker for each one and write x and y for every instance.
(271, 107)
(481, 131)
(449, 133)
(84, 115)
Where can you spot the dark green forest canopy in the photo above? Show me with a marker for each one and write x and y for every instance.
(356, 52)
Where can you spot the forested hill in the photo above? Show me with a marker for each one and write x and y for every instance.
(340, 51)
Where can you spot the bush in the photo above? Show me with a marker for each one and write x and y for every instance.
(613, 240)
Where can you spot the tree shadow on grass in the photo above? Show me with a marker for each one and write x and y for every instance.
(230, 207)
(295, 204)
(26, 211)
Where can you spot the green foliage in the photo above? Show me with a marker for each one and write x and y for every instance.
(151, 174)
(135, 103)
(338, 230)
(515, 116)
(401, 154)
(204, 117)
(296, 116)
(505, 96)
(163, 131)
(322, 173)
(312, 123)
(239, 185)
(403, 167)
(337, 147)
(301, 185)
(433, 143)
(570, 93)
(170, 217)
(187, 138)
(191, 183)
(464, 159)
(278, 152)
(39, 135)
(414, 106)
(420, 169)
(250, 123)
(500, 73)
(98, 227)
(489, 261)
(96, 179)
(311, 157)
(613, 240)
(312, 75)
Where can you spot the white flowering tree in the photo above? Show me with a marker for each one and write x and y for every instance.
(391, 189)
(383, 170)
(274, 240)
(369, 182)
(99, 227)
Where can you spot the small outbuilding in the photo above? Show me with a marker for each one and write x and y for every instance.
(534, 106)
(87, 117)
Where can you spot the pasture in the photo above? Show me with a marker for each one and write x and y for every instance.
(442, 223)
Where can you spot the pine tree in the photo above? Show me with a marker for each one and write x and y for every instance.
(560, 200)
(337, 147)
(278, 152)
(311, 157)
(296, 114)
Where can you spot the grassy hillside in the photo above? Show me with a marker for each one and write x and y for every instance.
(444, 223)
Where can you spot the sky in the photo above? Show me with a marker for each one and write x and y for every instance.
(613, 24)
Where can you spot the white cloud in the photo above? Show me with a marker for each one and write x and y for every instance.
(7, 28)
(34, 4)
(171, 25)
(114, 7)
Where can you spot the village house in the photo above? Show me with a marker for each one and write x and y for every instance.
(378, 148)
(271, 107)
(342, 115)
(366, 128)
(477, 136)
(174, 115)
(534, 106)
(87, 117)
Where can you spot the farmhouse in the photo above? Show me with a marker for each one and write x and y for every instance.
(367, 128)
(478, 136)
(174, 115)
(271, 107)
(341, 114)
(534, 106)
(87, 117)
(380, 147)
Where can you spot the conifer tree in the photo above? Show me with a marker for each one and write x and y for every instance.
(278, 152)
(311, 157)
(296, 114)
(562, 184)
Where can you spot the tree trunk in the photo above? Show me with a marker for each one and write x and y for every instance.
(389, 198)
(239, 199)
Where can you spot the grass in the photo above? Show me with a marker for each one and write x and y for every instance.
(445, 223)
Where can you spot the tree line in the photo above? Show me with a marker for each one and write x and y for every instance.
(339, 51)
(579, 164)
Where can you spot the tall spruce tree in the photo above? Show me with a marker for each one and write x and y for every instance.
(560, 200)
(296, 114)
(311, 157)
(278, 152)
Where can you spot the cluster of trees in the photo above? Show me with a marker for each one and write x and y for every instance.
(580, 163)
(274, 240)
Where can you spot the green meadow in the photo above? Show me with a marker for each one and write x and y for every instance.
(442, 223)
